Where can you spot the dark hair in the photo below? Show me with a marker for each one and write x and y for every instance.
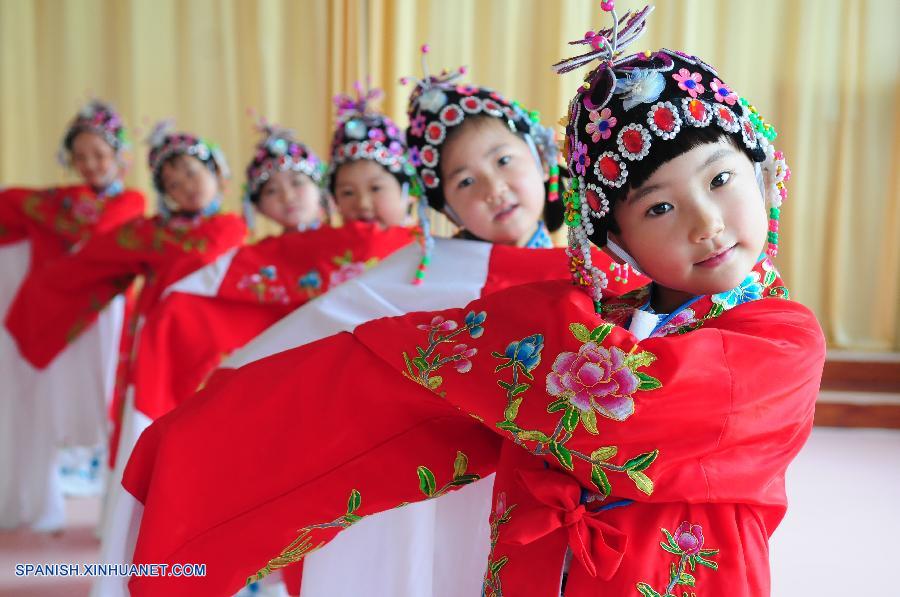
(553, 211)
(171, 159)
(662, 152)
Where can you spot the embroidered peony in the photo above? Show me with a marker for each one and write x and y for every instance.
(689, 538)
(595, 378)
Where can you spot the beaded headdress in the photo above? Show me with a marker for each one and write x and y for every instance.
(626, 107)
(97, 117)
(439, 103)
(164, 143)
(362, 133)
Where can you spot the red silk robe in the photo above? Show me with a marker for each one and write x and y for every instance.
(659, 462)
(206, 316)
(57, 303)
(56, 220)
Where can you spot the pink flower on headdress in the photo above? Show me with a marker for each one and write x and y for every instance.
(580, 158)
(392, 131)
(417, 125)
(414, 158)
(466, 89)
(601, 124)
(723, 94)
(689, 82)
(377, 135)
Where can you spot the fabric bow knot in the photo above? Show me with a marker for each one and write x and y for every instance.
(596, 544)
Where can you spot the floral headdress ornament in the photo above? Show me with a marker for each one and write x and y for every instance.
(97, 117)
(625, 106)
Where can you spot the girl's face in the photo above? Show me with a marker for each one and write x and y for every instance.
(94, 160)
(189, 183)
(291, 199)
(365, 191)
(492, 182)
(697, 225)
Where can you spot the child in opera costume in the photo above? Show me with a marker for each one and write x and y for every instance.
(42, 410)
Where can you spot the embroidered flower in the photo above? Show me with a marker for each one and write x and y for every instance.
(600, 126)
(689, 538)
(414, 157)
(684, 317)
(748, 290)
(461, 355)
(466, 89)
(417, 125)
(595, 378)
(640, 86)
(689, 82)
(347, 271)
(723, 94)
(580, 157)
(475, 322)
(312, 280)
(439, 324)
(392, 131)
(526, 351)
(377, 135)
(85, 211)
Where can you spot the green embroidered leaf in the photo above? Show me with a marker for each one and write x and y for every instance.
(641, 461)
(534, 436)
(508, 426)
(580, 331)
(426, 480)
(770, 277)
(464, 480)
(686, 579)
(420, 363)
(779, 291)
(671, 540)
(646, 590)
(648, 382)
(351, 519)
(494, 353)
(589, 420)
(500, 368)
(716, 310)
(506, 515)
(604, 453)
(670, 549)
(600, 481)
(435, 382)
(708, 563)
(708, 552)
(520, 388)
(460, 465)
(512, 411)
(354, 502)
(600, 333)
(570, 419)
(409, 367)
(640, 359)
(563, 455)
(496, 566)
(692, 562)
(420, 352)
(557, 405)
(524, 371)
(506, 386)
(641, 481)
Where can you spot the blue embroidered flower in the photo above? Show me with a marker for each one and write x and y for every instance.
(268, 272)
(748, 290)
(475, 323)
(526, 351)
(311, 280)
